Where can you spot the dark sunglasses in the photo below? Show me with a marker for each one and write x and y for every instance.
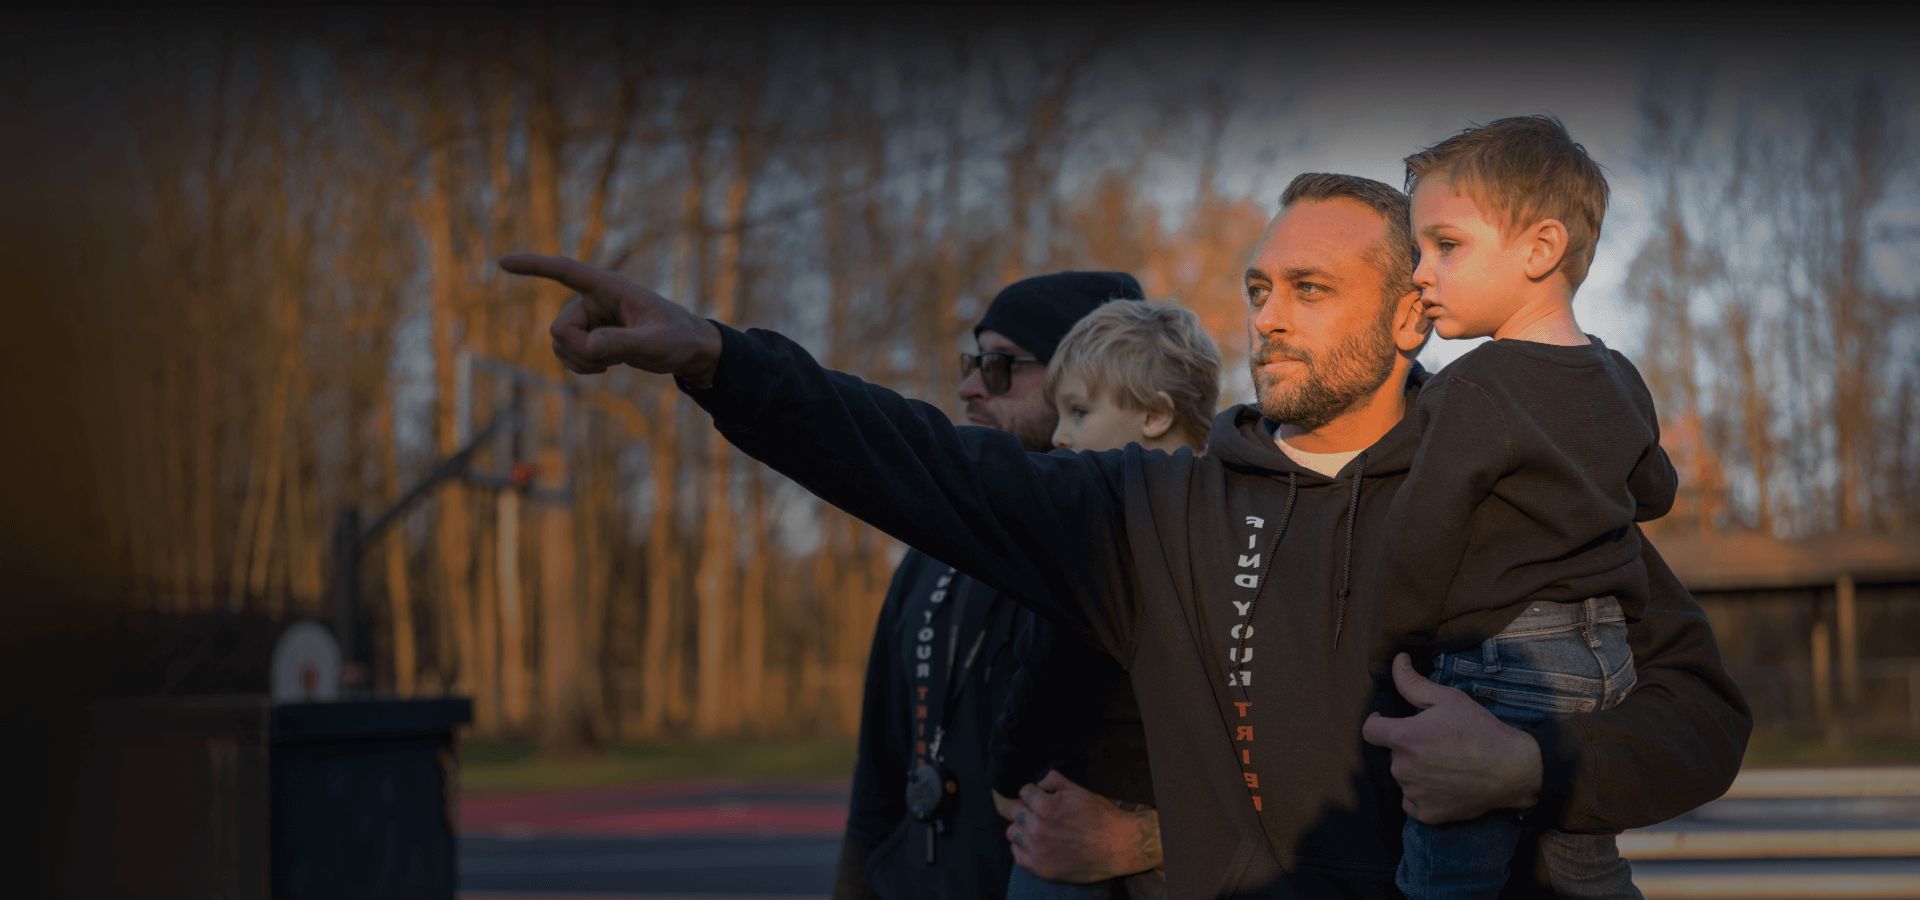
(996, 368)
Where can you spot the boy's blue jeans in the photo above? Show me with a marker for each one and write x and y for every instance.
(1554, 661)
(1025, 885)
(1148, 885)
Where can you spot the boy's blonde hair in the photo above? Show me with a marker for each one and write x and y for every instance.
(1134, 349)
(1525, 169)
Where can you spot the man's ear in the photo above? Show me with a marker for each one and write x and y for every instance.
(1159, 418)
(1546, 247)
(1411, 327)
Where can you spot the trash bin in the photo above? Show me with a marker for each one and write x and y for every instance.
(240, 797)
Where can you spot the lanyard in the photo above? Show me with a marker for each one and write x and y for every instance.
(954, 682)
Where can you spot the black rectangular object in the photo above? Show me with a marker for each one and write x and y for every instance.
(239, 797)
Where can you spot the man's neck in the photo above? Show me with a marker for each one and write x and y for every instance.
(1362, 424)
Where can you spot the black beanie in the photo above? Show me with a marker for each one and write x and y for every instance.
(1037, 312)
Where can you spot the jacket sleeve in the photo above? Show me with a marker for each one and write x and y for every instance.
(1023, 744)
(1465, 448)
(1654, 484)
(879, 802)
(1675, 743)
(1045, 528)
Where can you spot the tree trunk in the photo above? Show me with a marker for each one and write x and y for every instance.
(399, 589)
(660, 657)
(272, 456)
(563, 676)
(515, 693)
(483, 659)
(753, 607)
(453, 536)
(563, 728)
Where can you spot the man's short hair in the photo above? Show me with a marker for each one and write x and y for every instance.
(1521, 170)
(1395, 256)
(1134, 350)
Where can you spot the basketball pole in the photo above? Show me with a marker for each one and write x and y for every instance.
(350, 541)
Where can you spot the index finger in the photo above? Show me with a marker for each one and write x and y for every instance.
(585, 279)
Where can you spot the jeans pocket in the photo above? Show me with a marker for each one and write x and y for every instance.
(1624, 677)
(1526, 704)
(1615, 657)
(1521, 688)
(1553, 660)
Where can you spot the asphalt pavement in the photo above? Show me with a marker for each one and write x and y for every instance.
(1839, 833)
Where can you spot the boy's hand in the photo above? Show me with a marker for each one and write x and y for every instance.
(1453, 759)
(615, 321)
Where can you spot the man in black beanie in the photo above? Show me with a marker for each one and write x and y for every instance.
(922, 822)
(1016, 338)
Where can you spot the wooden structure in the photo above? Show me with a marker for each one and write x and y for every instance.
(1857, 596)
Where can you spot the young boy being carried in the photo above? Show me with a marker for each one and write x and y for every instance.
(1128, 373)
(1516, 546)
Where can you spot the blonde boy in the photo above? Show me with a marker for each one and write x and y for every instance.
(1140, 373)
(1516, 552)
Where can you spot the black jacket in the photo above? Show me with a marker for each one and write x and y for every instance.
(884, 853)
(1071, 708)
(1170, 562)
(1535, 461)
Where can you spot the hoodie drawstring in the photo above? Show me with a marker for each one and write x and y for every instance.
(1346, 566)
(1273, 547)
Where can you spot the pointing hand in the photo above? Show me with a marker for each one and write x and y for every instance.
(614, 321)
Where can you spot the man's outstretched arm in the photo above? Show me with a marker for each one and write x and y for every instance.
(1675, 743)
(1043, 528)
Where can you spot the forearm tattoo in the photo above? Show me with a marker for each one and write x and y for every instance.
(1146, 840)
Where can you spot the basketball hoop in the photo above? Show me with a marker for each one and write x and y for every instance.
(523, 424)
(523, 474)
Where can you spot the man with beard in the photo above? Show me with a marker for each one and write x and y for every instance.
(1240, 588)
(940, 669)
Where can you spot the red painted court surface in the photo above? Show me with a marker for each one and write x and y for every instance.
(667, 809)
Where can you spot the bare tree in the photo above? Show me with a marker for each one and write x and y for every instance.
(1757, 281)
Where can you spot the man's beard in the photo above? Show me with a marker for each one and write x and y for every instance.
(1329, 386)
(1034, 436)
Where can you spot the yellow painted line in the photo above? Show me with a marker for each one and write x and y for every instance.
(1778, 887)
(1783, 844)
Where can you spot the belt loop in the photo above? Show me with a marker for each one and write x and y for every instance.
(1490, 656)
(1589, 621)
